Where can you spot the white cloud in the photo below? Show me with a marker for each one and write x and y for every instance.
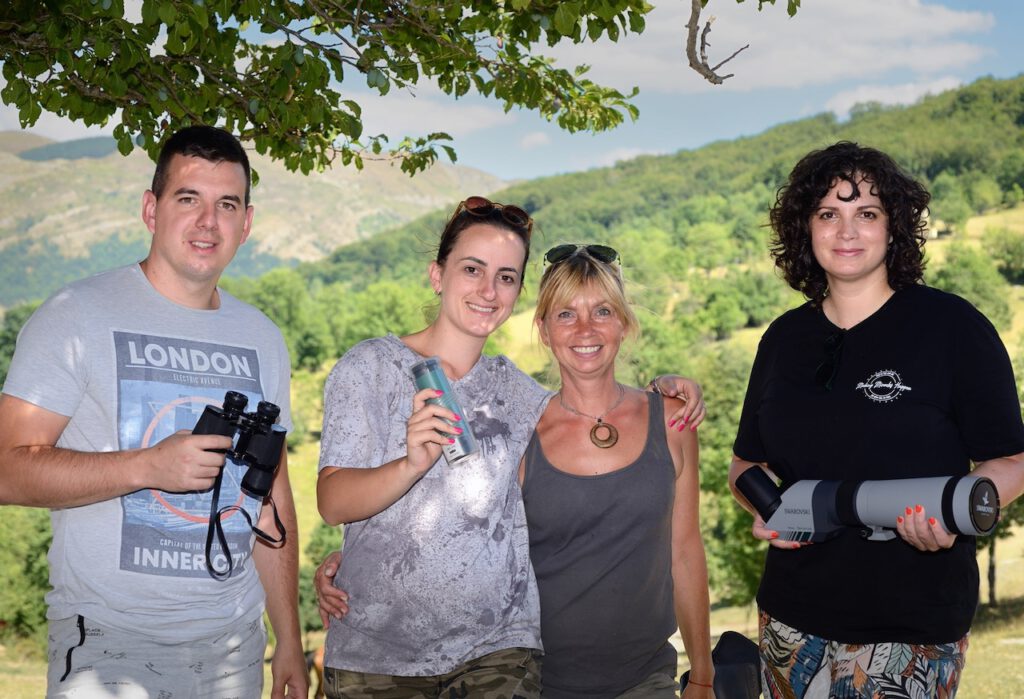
(609, 157)
(133, 11)
(825, 42)
(907, 93)
(534, 139)
(407, 114)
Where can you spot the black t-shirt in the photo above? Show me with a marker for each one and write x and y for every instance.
(921, 388)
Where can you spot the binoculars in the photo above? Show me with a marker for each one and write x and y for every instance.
(259, 442)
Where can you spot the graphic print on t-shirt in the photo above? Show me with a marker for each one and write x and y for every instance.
(883, 386)
(163, 385)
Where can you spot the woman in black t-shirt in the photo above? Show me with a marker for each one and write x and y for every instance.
(876, 377)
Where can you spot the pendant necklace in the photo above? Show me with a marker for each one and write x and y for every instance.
(611, 434)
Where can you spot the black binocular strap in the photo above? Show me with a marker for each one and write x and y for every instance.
(215, 526)
(81, 642)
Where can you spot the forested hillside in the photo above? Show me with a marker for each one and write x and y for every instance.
(690, 229)
(966, 144)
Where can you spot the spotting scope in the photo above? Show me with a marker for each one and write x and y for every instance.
(811, 510)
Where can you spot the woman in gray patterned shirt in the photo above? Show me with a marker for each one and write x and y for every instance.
(440, 598)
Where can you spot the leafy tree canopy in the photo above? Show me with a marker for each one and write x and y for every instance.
(273, 70)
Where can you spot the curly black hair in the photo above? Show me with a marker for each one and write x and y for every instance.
(904, 199)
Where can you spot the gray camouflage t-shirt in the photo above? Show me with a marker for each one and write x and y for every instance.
(442, 576)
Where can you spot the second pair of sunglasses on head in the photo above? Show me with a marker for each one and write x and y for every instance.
(601, 253)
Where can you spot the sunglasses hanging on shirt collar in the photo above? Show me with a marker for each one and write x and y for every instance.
(826, 372)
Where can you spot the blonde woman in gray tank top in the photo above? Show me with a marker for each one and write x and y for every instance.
(611, 500)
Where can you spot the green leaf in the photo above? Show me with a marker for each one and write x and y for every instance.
(566, 17)
(117, 86)
(519, 5)
(102, 48)
(174, 45)
(637, 23)
(200, 15)
(150, 12)
(337, 67)
(167, 13)
(375, 78)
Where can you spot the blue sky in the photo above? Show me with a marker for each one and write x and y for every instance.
(831, 55)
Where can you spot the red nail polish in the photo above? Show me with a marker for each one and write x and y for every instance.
(918, 508)
(684, 420)
(931, 521)
(775, 535)
(899, 520)
(438, 393)
(910, 511)
(458, 430)
(672, 423)
(451, 441)
(458, 417)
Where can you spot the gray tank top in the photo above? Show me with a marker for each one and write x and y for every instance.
(601, 550)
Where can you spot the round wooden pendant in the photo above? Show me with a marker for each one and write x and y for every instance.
(608, 440)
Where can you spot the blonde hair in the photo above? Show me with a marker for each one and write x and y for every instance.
(565, 279)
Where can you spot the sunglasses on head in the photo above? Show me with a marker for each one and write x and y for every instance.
(601, 253)
(483, 207)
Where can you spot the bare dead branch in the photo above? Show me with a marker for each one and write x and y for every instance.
(700, 62)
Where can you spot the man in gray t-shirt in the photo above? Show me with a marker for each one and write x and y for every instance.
(108, 378)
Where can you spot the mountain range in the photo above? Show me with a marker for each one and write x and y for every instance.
(69, 209)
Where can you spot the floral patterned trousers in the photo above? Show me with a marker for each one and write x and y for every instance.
(796, 665)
